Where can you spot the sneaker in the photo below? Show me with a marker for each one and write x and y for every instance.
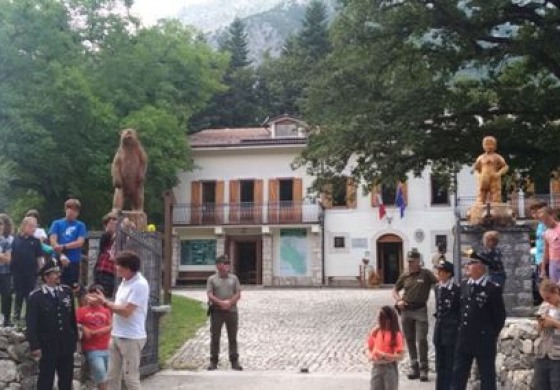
(212, 367)
(235, 366)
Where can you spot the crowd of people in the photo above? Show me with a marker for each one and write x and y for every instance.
(42, 270)
(469, 316)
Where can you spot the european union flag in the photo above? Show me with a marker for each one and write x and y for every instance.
(399, 201)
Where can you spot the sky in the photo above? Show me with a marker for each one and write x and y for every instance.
(152, 10)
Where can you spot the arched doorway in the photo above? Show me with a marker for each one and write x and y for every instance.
(389, 258)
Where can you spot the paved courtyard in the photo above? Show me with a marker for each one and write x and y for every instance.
(282, 331)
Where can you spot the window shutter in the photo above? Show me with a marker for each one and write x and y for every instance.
(219, 213)
(219, 192)
(298, 190)
(258, 191)
(258, 199)
(273, 196)
(351, 193)
(273, 190)
(375, 190)
(233, 201)
(196, 189)
(404, 187)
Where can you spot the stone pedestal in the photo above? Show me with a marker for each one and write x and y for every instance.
(496, 214)
(515, 247)
(139, 218)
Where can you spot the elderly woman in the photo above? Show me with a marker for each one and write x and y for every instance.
(27, 258)
(6, 238)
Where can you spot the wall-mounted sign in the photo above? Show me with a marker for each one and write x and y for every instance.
(198, 252)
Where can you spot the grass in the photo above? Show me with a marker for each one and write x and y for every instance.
(186, 317)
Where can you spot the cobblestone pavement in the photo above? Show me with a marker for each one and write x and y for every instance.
(322, 330)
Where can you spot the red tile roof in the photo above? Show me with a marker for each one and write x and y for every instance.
(238, 136)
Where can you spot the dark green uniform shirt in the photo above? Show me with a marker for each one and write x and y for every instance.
(416, 285)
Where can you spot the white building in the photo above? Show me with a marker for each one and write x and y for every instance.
(244, 200)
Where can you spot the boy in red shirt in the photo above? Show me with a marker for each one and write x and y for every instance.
(95, 321)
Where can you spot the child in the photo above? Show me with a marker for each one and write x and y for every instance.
(385, 348)
(492, 257)
(95, 321)
(547, 362)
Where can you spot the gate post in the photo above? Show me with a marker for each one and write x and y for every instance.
(168, 200)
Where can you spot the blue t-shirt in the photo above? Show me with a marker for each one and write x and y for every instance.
(69, 231)
(539, 242)
(5, 246)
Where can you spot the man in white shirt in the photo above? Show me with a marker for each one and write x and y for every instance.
(129, 322)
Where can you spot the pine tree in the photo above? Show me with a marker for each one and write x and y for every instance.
(288, 77)
(313, 39)
(236, 43)
(237, 106)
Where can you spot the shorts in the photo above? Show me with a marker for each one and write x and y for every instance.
(70, 274)
(98, 365)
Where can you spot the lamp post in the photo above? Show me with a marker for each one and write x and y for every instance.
(457, 241)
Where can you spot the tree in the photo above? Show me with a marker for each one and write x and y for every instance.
(415, 82)
(237, 105)
(285, 81)
(236, 44)
(64, 100)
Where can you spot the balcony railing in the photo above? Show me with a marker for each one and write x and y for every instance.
(520, 203)
(246, 213)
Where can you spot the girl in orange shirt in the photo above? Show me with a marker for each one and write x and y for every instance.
(385, 347)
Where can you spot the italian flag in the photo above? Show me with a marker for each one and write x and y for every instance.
(381, 205)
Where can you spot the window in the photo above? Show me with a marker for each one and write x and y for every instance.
(389, 194)
(440, 194)
(339, 242)
(209, 192)
(247, 191)
(441, 239)
(286, 190)
(286, 130)
(339, 195)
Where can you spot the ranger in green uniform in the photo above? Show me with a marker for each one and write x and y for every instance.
(417, 283)
(223, 291)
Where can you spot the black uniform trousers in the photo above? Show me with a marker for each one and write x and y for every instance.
(448, 313)
(6, 293)
(56, 356)
(485, 360)
(217, 320)
(445, 359)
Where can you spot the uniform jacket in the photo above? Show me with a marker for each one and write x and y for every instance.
(483, 315)
(448, 312)
(51, 321)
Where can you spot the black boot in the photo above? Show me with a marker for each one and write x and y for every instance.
(414, 371)
(213, 365)
(423, 375)
(236, 366)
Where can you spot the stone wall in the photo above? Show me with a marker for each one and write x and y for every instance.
(18, 369)
(516, 357)
(515, 247)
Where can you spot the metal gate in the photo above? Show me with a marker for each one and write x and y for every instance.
(148, 246)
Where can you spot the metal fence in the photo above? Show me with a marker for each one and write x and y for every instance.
(281, 212)
(148, 246)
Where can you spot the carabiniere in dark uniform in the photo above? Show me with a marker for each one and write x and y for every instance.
(448, 313)
(52, 329)
(483, 316)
